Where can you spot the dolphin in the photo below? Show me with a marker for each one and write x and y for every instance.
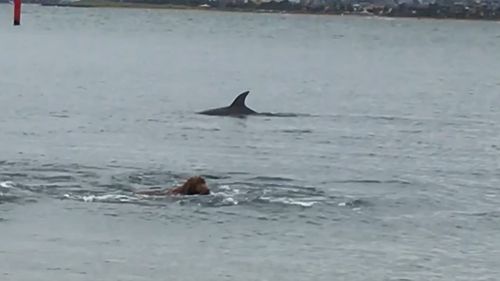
(237, 108)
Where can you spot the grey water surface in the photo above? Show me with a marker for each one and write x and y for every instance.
(383, 165)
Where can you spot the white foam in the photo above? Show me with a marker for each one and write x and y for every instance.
(101, 198)
(225, 187)
(7, 184)
(230, 200)
(89, 198)
(228, 195)
(289, 201)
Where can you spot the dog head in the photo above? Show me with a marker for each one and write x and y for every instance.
(195, 185)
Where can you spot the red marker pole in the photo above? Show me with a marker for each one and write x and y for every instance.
(17, 12)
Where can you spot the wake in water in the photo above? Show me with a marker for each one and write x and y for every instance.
(12, 192)
(223, 195)
(23, 182)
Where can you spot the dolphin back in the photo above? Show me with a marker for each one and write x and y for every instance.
(237, 108)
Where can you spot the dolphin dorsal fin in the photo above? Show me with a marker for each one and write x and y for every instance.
(239, 101)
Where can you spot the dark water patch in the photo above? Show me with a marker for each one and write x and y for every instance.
(411, 131)
(285, 115)
(229, 213)
(87, 175)
(201, 129)
(111, 214)
(238, 173)
(364, 137)
(121, 166)
(17, 199)
(14, 174)
(28, 134)
(387, 118)
(268, 178)
(370, 181)
(154, 120)
(312, 222)
(325, 142)
(54, 178)
(214, 177)
(32, 188)
(356, 203)
(56, 189)
(59, 114)
(201, 212)
(296, 131)
(19, 163)
(479, 173)
(487, 214)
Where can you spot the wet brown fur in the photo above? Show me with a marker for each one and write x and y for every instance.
(193, 185)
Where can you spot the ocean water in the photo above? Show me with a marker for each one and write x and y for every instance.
(385, 166)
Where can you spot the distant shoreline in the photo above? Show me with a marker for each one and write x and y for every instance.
(112, 4)
(253, 9)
